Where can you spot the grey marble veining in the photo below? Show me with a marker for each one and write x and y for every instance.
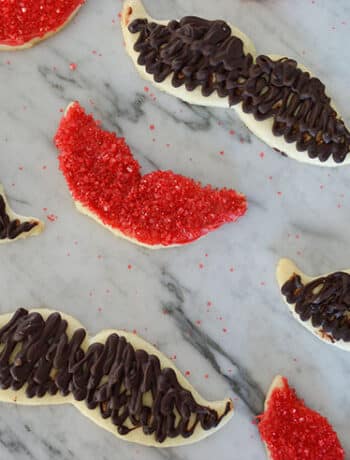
(213, 304)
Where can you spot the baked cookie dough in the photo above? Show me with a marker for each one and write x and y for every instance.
(292, 431)
(27, 22)
(320, 304)
(214, 64)
(116, 379)
(158, 210)
(13, 226)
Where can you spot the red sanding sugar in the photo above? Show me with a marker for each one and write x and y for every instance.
(160, 208)
(292, 431)
(23, 20)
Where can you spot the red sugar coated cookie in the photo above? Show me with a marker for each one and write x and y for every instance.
(23, 21)
(292, 431)
(159, 209)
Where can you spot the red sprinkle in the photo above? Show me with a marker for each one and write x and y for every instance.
(25, 20)
(152, 127)
(160, 208)
(292, 431)
(52, 217)
(73, 66)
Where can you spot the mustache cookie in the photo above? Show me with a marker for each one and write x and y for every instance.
(157, 210)
(116, 379)
(13, 226)
(212, 63)
(320, 304)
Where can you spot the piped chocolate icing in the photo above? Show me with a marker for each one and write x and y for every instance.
(202, 53)
(299, 106)
(196, 52)
(12, 229)
(38, 355)
(325, 301)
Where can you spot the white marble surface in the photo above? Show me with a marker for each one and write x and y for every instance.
(76, 266)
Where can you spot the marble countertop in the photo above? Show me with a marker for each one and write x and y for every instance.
(214, 304)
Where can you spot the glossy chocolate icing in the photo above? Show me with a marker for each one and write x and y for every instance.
(201, 53)
(196, 52)
(299, 106)
(325, 301)
(11, 229)
(38, 355)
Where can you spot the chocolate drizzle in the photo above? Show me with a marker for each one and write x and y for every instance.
(299, 106)
(197, 52)
(201, 53)
(127, 385)
(12, 229)
(325, 301)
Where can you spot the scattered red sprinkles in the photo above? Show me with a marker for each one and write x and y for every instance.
(292, 431)
(160, 208)
(25, 20)
(51, 217)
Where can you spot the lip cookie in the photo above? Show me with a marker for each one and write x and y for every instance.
(157, 210)
(116, 379)
(27, 22)
(213, 63)
(292, 431)
(13, 226)
(321, 304)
